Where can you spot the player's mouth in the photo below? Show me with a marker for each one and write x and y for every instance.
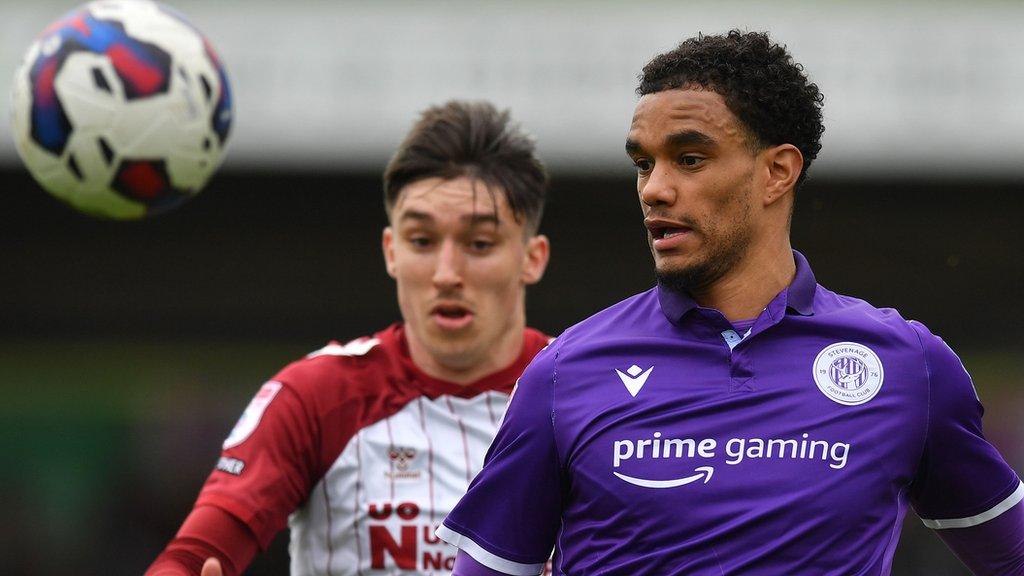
(451, 316)
(666, 235)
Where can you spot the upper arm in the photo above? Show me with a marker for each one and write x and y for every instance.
(268, 464)
(962, 479)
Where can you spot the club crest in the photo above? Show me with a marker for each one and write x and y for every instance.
(848, 373)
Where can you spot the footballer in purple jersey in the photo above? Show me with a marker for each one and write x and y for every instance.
(738, 418)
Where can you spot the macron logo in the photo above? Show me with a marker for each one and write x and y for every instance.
(634, 378)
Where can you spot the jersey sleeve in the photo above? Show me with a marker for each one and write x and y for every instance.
(208, 532)
(509, 518)
(268, 462)
(962, 480)
(992, 548)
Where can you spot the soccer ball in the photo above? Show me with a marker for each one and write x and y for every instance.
(121, 109)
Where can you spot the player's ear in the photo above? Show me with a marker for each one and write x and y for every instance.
(387, 243)
(535, 261)
(783, 164)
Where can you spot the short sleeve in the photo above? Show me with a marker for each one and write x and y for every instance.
(962, 479)
(510, 516)
(267, 464)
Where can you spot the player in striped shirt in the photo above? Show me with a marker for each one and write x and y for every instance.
(363, 448)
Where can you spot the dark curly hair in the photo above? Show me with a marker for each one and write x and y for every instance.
(476, 140)
(759, 81)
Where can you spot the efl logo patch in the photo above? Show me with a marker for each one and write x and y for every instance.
(253, 412)
(848, 373)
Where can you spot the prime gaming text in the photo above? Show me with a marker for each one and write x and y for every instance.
(736, 449)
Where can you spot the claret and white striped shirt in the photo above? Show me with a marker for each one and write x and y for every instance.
(362, 454)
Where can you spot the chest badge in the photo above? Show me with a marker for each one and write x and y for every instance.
(634, 378)
(848, 373)
(401, 458)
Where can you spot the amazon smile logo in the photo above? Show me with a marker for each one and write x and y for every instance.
(701, 451)
(704, 472)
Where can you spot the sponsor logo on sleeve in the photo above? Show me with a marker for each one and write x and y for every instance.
(250, 419)
(848, 373)
(232, 466)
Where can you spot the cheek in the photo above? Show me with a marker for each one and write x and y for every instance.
(412, 270)
(498, 275)
(731, 198)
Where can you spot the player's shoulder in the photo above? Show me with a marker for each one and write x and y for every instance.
(886, 323)
(364, 366)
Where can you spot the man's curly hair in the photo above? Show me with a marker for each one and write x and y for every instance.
(759, 81)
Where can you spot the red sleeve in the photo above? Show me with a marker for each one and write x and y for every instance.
(208, 532)
(269, 463)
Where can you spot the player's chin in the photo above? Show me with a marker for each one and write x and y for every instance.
(675, 264)
(456, 353)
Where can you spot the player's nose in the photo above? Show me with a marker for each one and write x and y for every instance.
(659, 188)
(448, 270)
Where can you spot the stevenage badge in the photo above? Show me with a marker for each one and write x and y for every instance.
(848, 373)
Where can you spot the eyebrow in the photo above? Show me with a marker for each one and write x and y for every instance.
(474, 219)
(690, 138)
(414, 215)
(676, 140)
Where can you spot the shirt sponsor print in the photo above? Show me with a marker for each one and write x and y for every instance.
(403, 538)
(736, 451)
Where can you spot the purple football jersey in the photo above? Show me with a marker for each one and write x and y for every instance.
(655, 438)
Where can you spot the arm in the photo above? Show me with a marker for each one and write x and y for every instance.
(465, 565)
(207, 533)
(963, 488)
(993, 548)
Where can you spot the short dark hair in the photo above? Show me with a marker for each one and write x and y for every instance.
(761, 84)
(476, 140)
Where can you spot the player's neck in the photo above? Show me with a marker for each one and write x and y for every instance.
(751, 284)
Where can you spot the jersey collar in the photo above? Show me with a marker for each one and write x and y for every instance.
(799, 295)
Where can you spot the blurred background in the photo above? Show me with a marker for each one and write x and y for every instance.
(128, 350)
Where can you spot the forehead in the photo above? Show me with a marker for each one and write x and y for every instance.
(669, 112)
(452, 199)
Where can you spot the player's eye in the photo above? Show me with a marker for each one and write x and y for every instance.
(689, 160)
(481, 245)
(420, 241)
(643, 165)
